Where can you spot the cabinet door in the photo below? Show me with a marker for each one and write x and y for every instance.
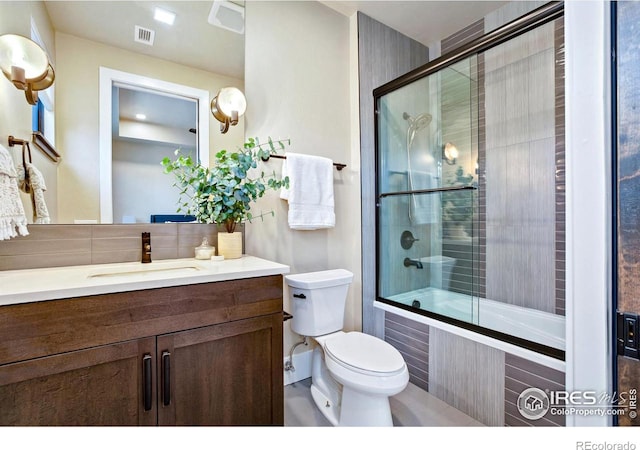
(98, 386)
(228, 374)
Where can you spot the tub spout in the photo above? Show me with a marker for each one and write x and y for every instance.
(408, 262)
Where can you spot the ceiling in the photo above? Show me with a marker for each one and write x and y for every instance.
(424, 21)
(183, 113)
(190, 41)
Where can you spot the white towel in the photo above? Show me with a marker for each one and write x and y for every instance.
(12, 219)
(310, 193)
(424, 208)
(34, 186)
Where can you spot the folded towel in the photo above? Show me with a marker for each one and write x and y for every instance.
(424, 208)
(12, 219)
(310, 193)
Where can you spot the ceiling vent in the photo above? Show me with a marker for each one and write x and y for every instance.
(144, 35)
(227, 15)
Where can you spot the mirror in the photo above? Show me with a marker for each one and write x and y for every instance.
(124, 37)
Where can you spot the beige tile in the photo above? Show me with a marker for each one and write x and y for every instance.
(38, 232)
(413, 407)
(115, 256)
(16, 247)
(132, 230)
(39, 261)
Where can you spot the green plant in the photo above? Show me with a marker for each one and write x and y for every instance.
(457, 206)
(223, 193)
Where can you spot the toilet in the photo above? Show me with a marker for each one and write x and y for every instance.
(353, 374)
(440, 269)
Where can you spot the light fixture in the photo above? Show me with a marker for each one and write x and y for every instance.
(164, 16)
(141, 116)
(26, 65)
(450, 153)
(227, 106)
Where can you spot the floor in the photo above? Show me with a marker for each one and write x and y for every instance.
(413, 407)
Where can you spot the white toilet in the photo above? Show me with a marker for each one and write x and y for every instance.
(353, 374)
(440, 268)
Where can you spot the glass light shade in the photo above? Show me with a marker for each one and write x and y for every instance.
(227, 106)
(18, 51)
(231, 99)
(451, 152)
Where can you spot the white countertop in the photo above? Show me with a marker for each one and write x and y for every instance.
(31, 285)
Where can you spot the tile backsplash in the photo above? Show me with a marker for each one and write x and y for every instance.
(69, 245)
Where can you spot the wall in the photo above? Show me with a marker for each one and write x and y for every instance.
(77, 113)
(588, 208)
(519, 171)
(73, 245)
(383, 54)
(135, 167)
(297, 81)
(15, 112)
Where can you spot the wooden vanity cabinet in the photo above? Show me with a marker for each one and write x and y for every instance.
(205, 354)
(97, 386)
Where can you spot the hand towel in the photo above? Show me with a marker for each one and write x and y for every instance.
(12, 219)
(424, 208)
(33, 184)
(310, 192)
(40, 211)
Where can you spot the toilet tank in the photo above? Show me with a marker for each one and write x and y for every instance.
(318, 301)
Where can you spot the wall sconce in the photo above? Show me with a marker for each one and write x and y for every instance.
(450, 153)
(26, 65)
(227, 106)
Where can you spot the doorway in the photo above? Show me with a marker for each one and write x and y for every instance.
(113, 81)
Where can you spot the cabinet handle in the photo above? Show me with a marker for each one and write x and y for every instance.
(146, 375)
(166, 378)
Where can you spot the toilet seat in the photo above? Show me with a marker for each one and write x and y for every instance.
(365, 354)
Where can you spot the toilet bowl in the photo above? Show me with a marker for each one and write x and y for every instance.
(353, 374)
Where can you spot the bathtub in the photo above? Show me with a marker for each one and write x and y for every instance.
(536, 326)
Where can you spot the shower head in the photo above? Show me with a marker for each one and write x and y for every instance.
(418, 122)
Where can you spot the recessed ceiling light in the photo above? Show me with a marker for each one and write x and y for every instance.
(141, 116)
(164, 16)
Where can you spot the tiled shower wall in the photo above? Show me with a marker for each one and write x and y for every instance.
(383, 54)
(521, 171)
(446, 365)
(68, 245)
(479, 380)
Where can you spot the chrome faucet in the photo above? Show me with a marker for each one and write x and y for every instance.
(408, 262)
(146, 247)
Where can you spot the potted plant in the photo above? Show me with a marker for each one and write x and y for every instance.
(457, 207)
(222, 194)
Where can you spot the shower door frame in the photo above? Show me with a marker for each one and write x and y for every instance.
(528, 22)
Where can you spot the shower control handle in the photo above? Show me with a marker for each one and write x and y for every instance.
(407, 239)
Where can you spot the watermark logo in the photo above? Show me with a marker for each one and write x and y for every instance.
(533, 403)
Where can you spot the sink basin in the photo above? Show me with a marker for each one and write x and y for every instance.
(173, 268)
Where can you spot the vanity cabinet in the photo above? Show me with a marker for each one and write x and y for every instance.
(204, 354)
(97, 386)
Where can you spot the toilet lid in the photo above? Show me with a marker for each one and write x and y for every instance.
(364, 352)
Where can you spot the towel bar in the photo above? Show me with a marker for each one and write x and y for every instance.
(338, 166)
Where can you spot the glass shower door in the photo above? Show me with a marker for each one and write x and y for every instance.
(427, 161)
